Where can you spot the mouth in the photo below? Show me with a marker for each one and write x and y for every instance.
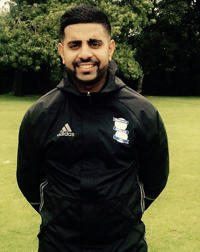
(86, 66)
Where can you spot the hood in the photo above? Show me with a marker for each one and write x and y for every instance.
(113, 83)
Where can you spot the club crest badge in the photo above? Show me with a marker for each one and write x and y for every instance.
(121, 132)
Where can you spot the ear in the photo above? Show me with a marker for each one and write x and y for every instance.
(61, 52)
(111, 48)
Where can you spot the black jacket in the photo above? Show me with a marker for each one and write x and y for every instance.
(90, 164)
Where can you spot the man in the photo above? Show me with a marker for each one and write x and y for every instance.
(93, 153)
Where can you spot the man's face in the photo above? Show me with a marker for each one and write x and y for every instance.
(86, 51)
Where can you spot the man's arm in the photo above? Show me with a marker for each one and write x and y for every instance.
(154, 160)
(29, 176)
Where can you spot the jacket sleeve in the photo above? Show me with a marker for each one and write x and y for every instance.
(29, 175)
(153, 158)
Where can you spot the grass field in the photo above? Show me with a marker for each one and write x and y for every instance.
(172, 222)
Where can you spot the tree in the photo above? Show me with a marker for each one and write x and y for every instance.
(30, 37)
(30, 40)
(169, 50)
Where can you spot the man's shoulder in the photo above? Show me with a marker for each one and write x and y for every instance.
(135, 101)
(142, 111)
(48, 101)
(45, 106)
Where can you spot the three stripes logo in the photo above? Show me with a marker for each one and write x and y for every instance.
(66, 131)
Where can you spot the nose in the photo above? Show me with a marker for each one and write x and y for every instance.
(85, 52)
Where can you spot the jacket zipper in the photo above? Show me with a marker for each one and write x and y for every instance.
(42, 186)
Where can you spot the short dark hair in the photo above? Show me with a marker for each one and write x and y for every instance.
(83, 14)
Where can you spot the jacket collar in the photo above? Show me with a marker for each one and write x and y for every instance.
(113, 83)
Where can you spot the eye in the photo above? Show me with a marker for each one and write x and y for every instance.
(94, 43)
(74, 45)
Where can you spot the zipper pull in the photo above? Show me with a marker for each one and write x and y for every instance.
(90, 98)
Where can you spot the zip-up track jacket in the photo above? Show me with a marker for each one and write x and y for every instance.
(90, 164)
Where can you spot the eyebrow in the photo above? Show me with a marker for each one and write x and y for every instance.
(89, 41)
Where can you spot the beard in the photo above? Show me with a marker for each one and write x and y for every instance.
(100, 73)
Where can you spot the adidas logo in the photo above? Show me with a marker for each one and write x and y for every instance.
(66, 131)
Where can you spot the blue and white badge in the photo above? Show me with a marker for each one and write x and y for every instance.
(121, 132)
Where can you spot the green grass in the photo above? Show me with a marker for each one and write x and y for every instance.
(172, 222)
